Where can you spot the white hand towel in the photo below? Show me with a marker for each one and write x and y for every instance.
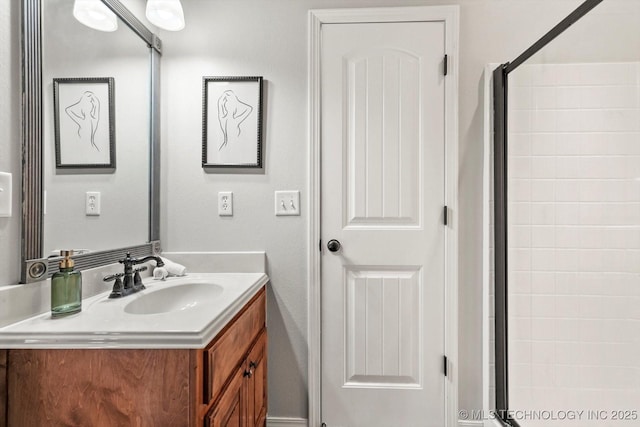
(173, 268)
(160, 273)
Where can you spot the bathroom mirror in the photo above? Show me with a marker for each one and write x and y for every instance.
(100, 210)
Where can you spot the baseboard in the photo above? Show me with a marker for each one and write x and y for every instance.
(286, 422)
(466, 423)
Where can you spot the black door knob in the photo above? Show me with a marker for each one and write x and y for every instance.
(333, 245)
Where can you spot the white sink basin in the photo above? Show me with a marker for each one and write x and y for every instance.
(180, 297)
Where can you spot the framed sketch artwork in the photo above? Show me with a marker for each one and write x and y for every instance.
(231, 122)
(84, 115)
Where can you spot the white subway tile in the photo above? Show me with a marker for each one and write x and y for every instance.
(567, 260)
(570, 307)
(520, 352)
(543, 259)
(542, 75)
(567, 335)
(520, 236)
(606, 97)
(519, 144)
(520, 373)
(568, 167)
(520, 259)
(569, 376)
(543, 376)
(545, 98)
(520, 282)
(519, 190)
(544, 121)
(567, 237)
(569, 120)
(519, 328)
(542, 306)
(569, 97)
(543, 237)
(519, 121)
(542, 167)
(519, 167)
(542, 190)
(519, 213)
(543, 144)
(543, 352)
(570, 144)
(543, 213)
(520, 98)
(567, 283)
(566, 213)
(543, 283)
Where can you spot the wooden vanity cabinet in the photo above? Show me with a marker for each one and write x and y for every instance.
(236, 395)
(223, 384)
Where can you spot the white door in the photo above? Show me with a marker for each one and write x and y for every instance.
(383, 194)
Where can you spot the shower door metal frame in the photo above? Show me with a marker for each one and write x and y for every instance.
(500, 150)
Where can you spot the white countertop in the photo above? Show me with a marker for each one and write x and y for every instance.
(103, 322)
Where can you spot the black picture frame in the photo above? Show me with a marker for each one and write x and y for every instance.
(232, 122)
(84, 122)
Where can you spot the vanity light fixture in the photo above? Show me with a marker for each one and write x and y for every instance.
(166, 14)
(95, 14)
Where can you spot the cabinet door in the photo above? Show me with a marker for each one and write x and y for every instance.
(257, 383)
(231, 409)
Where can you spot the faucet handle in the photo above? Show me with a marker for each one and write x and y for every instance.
(111, 277)
(137, 280)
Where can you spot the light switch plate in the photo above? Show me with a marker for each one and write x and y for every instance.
(93, 203)
(225, 203)
(5, 194)
(287, 203)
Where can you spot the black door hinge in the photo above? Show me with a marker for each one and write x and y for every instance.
(445, 215)
(446, 65)
(446, 366)
(320, 245)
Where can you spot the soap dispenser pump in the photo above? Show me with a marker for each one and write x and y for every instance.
(66, 288)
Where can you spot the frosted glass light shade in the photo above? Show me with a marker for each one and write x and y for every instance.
(166, 14)
(95, 14)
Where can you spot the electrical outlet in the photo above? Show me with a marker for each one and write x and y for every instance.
(225, 203)
(287, 203)
(5, 194)
(93, 203)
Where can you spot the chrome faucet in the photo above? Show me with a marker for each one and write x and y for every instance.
(132, 280)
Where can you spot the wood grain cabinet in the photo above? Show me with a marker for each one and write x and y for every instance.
(221, 385)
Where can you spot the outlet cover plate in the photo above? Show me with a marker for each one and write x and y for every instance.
(92, 203)
(225, 203)
(5, 194)
(287, 203)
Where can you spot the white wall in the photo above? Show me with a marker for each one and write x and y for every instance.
(10, 137)
(254, 37)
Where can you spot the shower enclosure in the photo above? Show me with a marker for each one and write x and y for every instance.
(567, 223)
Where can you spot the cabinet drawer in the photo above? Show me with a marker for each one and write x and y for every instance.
(229, 348)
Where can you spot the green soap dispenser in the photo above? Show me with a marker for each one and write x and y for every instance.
(66, 288)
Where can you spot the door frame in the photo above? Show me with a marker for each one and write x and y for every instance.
(450, 16)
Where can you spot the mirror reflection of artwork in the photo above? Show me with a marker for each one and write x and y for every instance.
(232, 118)
(84, 122)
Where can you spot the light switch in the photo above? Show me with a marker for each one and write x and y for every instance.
(5, 194)
(225, 203)
(287, 203)
(93, 203)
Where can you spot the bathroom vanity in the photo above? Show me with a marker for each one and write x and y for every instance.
(186, 352)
